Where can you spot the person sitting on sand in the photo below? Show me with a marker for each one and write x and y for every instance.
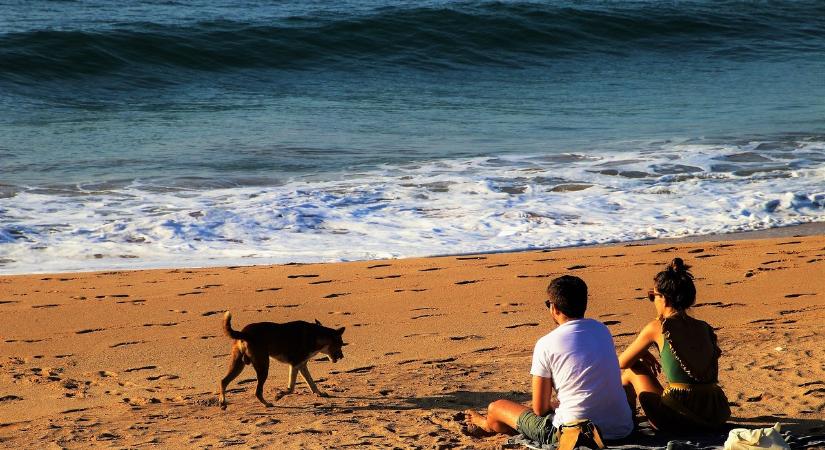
(690, 360)
(578, 360)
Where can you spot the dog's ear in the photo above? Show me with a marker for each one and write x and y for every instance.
(318, 323)
(340, 330)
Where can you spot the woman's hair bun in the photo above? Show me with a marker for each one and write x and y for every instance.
(677, 265)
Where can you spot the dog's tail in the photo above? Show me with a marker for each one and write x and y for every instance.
(227, 327)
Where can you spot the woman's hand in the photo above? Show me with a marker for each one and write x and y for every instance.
(650, 362)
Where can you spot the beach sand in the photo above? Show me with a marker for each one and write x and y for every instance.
(133, 359)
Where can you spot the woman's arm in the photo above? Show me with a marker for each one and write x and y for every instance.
(638, 349)
(542, 391)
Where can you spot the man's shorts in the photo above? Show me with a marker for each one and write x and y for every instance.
(536, 428)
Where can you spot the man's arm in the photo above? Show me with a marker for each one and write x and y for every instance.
(542, 391)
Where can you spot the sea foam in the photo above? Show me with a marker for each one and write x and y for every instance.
(430, 208)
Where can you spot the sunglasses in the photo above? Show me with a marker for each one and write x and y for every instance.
(651, 295)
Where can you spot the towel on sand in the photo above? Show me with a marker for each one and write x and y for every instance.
(644, 438)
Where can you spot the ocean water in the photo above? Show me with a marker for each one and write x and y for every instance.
(193, 133)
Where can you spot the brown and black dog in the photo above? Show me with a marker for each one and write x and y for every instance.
(293, 343)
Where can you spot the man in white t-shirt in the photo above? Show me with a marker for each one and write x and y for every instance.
(578, 360)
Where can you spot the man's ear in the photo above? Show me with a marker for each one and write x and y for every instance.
(341, 330)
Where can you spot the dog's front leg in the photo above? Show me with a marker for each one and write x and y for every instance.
(308, 378)
(293, 377)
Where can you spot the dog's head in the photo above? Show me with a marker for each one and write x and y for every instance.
(330, 340)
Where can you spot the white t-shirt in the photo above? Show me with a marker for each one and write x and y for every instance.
(580, 358)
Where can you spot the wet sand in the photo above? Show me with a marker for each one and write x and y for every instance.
(133, 359)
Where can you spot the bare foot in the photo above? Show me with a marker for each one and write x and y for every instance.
(475, 425)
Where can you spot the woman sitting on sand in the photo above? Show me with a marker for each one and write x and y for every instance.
(690, 360)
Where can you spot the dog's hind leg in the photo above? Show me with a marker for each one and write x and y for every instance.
(261, 365)
(308, 378)
(293, 376)
(235, 367)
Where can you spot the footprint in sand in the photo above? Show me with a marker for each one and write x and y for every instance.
(163, 377)
(212, 313)
(545, 259)
(665, 250)
(137, 302)
(303, 276)
(363, 369)
(164, 324)
(422, 316)
(706, 255)
(718, 305)
(388, 276)
(6, 302)
(797, 295)
(611, 322)
(623, 335)
(774, 261)
(789, 243)
(420, 335)
(496, 265)
(485, 349)
(466, 258)
(618, 255)
(577, 267)
(339, 294)
(207, 286)
(341, 313)
(268, 289)
(48, 305)
(467, 282)
(438, 361)
(541, 275)
(89, 330)
(462, 338)
(430, 269)
(519, 325)
(182, 294)
(9, 398)
(292, 305)
(123, 344)
(375, 266)
(696, 250)
(136, 369)
(320, 282)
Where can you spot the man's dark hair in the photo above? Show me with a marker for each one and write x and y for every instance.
(569, 294)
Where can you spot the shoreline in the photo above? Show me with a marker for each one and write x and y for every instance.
(799, 230)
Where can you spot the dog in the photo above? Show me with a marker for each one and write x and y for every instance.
(293, 343)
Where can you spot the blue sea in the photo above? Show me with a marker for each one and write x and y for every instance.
(141, 134)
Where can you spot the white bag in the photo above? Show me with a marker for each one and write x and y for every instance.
(761, 438)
